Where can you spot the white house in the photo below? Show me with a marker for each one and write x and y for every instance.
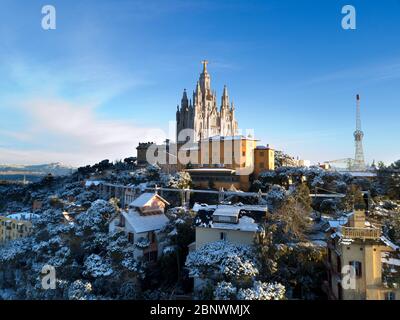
(236, 224)
(141, 222)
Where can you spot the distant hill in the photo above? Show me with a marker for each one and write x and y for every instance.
(33, 172)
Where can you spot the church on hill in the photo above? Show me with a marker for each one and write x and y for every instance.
(201, 113)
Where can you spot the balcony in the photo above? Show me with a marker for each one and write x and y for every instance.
(361, 233)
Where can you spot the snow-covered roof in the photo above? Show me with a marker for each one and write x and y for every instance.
(334, 224)
(90, 183)
(389, 243)
(238, 206)
(237, 137)
(202, 206)
(260, 147)
(361, 174)
(190, 148)
(144, 198)
(226, 210)
(391, 261)
(25, 216)
(211, 169)
(145, 223)
(244, 224)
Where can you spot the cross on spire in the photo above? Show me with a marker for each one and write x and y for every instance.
(204, 62)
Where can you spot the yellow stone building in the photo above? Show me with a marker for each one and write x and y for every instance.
(15, 226)
(226, 162)
(357, 255)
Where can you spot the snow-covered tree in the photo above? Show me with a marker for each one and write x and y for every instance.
(222, 260)
(262, 291)
(96, 266)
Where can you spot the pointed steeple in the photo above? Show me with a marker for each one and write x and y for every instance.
(204, 62)
(225, 94)
(198, 89)
(225, 99)
(184, 101)
(205, 81)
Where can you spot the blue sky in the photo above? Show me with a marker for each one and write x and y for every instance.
(112, 73)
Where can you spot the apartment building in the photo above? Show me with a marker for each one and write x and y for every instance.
(14, 226)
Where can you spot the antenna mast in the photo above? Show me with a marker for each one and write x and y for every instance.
(359, 162)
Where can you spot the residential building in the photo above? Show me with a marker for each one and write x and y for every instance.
(233, 223)
(357, 257)
(237, 224)
(14, 226)
(142, 223)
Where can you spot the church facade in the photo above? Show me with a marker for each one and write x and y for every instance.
(201, 114)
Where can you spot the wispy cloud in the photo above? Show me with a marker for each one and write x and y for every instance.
(59, 106)
(371, 73)
(74, 134)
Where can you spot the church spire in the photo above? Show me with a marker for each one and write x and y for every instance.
(184, 101)
(225, 99)
(205, 82)
(204, 62)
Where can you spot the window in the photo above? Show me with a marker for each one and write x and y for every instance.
(150, 256)
(131, 237)
(390, 295)
(243, 153)
(222, 236)
(261, 165)
(358, 268)
(261, 153)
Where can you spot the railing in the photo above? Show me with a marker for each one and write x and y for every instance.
(361, 233)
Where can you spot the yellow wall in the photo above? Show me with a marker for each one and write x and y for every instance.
(264, 159)
(369, 286)
(16, 229)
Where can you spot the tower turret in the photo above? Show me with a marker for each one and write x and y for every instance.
(225, 99)
(205, 81)
(184, 101)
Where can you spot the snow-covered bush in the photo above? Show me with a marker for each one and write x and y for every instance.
(142, 243)
(80, 290)
(262, 291)
(95, 266)
(96, 217)
(225, 291)
(222, 260)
